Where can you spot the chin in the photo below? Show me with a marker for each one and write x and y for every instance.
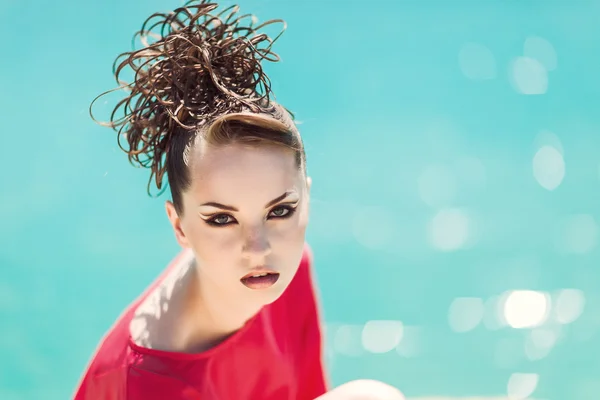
(267, 296)
(273, 297)
(274, 294)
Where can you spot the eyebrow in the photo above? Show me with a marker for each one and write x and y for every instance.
(230, 208)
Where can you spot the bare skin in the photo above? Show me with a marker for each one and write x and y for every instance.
(203, 301)
(264, 204)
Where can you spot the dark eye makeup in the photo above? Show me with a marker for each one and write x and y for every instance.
(283, 211)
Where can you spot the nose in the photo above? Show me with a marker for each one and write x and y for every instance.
(256, 244)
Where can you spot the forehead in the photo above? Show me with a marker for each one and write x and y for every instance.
(242, 169)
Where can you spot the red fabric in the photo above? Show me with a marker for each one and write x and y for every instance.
(275, 356)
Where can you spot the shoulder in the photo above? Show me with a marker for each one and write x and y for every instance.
(111, 356)
(108, 365)
(112, 384)
(106, 370)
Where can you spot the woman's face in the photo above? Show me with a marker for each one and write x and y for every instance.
(245, 215)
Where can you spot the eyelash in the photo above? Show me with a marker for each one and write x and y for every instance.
(290, 211)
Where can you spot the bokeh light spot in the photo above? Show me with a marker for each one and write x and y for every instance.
(548, 167)
(347, 340)
(526, 308)
(528, 76)
(411, 343)
(542, 50)
(569, 305)
(449, 229)
(465, 313)
(521, 386)
(540, 342)
(548, 138)
(381, 336)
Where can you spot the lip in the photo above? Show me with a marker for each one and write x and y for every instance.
(266, 279)
(259, 271)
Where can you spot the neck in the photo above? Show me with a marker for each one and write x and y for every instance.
(210, 315)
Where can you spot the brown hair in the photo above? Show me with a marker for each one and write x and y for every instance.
(201, 78)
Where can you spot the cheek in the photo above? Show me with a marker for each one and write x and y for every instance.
(287, 252)
(213, 245)
(292, 232)
(288, 238)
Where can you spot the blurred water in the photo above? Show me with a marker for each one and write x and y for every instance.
(454, 148)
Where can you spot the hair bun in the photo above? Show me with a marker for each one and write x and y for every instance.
(193, 67)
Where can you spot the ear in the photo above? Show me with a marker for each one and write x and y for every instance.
(176, 224)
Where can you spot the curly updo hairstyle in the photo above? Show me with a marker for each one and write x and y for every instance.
(198, 76)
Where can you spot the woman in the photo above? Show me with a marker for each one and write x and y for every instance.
(234, 316)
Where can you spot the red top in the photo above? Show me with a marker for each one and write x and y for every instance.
(275, 356)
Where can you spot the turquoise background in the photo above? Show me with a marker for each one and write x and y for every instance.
(403, 120)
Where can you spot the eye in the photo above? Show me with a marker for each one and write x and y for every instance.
(282, 212)
(220, 220)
